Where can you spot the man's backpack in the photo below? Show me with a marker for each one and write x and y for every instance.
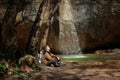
(40, 55)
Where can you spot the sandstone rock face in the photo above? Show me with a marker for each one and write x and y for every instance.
(23, 30)
(25, 20)
(2, 9)
(98, 23)
(78, 25)
(64, 33)
(85, 25)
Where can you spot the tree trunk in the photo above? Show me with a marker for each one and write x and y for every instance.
(41, 25)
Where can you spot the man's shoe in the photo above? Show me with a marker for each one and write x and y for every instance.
(56, 65)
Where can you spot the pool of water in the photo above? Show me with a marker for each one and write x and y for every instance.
(90, 57)
(74, 56)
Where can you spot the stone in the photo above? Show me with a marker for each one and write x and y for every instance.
(23, 32)
(72, 71)
(116, 74)
(85, 25)
(78, 25)
(104, 75)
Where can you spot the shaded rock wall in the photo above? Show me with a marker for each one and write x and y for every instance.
(23, 32)
(98, 23)
(85, 25)
(25, 20)
(77, 25)
(3, 6)
(63, 35)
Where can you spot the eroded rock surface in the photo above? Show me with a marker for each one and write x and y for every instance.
(79, 25)
(85, 25)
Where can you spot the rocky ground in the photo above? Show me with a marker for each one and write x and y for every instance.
(74, 70)
(83, 70)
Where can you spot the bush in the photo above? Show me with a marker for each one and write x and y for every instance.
(3, 69)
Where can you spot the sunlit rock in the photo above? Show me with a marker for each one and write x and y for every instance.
(77, 25)
(85, 25)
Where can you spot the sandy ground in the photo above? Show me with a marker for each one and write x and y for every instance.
(76, 70)
(83, 70)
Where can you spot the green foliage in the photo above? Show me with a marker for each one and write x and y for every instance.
(17, 70)
(3, 69)
(30, 75)
(22, 74)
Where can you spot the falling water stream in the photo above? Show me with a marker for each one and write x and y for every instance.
(68, 35)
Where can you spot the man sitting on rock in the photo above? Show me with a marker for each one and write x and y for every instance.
(49, 58)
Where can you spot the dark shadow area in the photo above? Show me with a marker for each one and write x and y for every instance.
(109, 46)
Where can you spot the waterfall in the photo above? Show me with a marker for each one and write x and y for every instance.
(68, 39)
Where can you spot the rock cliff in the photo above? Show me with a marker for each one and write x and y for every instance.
(79, 25)
(86, 25)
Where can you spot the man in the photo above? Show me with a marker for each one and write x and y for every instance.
(49, 58)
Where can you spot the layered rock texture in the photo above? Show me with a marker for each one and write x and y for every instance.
(78, 25)
(86, 25)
